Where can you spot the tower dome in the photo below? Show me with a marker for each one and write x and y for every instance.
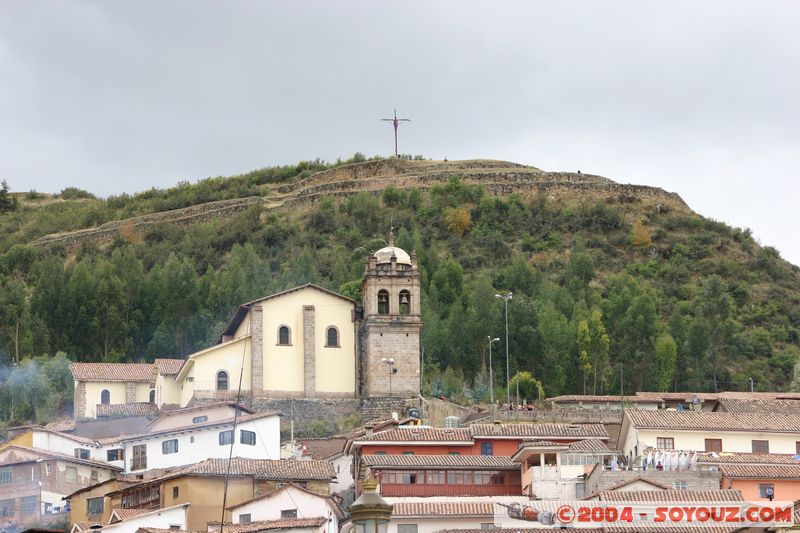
(384, 255)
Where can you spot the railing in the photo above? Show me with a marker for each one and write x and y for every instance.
(408, 489)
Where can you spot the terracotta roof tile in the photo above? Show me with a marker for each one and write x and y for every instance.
(86, 526)
(748, 458)
(168, 367)
(426, 509)
(267, 525)
(322, 448)
(719, 421)
(761, 471)
(670, 496)
(589, 445)
(787, 407)
(540, 431)
(277, 469)
(590, 398)
(125, 514)
(138, 372)
(127, 409)
(417, 434)
(439, 461)
(61, 425)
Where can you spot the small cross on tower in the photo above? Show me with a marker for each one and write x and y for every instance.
(396, 122)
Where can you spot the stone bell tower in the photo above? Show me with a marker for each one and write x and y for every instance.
(392, 322)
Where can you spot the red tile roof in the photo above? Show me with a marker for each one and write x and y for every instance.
(589, 445)
(322, 448)
(61, 425)
(267, 525)
(168, 367)
(125, 514)
(440, 461)
(130, 372)
(765, 472)
(540, 431)
(590, 398)
(748, 458)
(428, 509)
(127, 409)
(331, 500)
(418, 434)
(671, 495)
(786, 407)
(716, 421)
(278, 469)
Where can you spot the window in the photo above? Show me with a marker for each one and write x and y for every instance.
(199, 419)
(153, 396)
(380, 453)
(488, 525)
(226, 437)
(175, 492)
(47, 469)
(94, 505)
(284, 336)
(115, 455)
(434, 477)
(105, 397)
(797, 447)
(680, 485)
(245, 518)
(406, 528)
(408, 453)
(222, 380)
(760, 446)
(766, 490)
(93, 477)
(332, 337)
(400, 477)
(383, 302)
(139, 461)
(665, 443)
(247, 437)
(81, 453)
(169, 446)
(580, 490)
(453, 453)
(289, 513)
(486, 448)
(6, 507)
(457, 477)
(405, 302)
(713, 445)
(28, 505)
(5, 475)
(72, 474)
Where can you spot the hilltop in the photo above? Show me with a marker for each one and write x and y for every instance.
(602, 273)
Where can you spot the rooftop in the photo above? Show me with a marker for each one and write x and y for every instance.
(136, 372)
(168, 367)
(273, 469)
(127, 409)
(420, 434)
(718, 421)
(748, 458)
(440, 461)
(267, 525)
(786, 407)
(428, 509)
(540, 431)
(764, 472)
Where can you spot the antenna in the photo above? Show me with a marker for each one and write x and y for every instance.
(396, 122)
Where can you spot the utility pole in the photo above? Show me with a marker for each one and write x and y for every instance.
(506, 297)
(396, 122)
(491, 374)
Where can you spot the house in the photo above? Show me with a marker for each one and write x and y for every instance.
(433, 516)
(754, 474)
(331, 449)
(709, 431)
(693, 477)
(289, 502)
(130, 521)
(90, 504)
(33, 483)
(306, 342)
(202, 486)
(554, 470)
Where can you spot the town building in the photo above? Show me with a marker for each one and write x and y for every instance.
(289, 502)
(756, 475)
(131, 520)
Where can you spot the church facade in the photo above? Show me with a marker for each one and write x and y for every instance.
(307, 342)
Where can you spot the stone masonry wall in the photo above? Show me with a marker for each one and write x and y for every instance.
(695, 479)
(257, 348)
(130, 392)
(309, 349)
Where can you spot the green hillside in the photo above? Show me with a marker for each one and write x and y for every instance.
(602, 275)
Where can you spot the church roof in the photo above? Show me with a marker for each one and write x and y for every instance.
(138, 372)
(384, 255)
(242, 310)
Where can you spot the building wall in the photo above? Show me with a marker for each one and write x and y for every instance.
(93, 391)
(429, 524)
(500, 447)
(227, 357)
(343, 466)
(219, 412)
(732, 441)
(307, 505)
(167, 391)
(695, 479)
(785, 489)
(78, 504)
(163, 519)
(201, 444)
(53, 442)
(205, 495)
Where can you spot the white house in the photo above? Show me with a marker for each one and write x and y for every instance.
(289, 501)
(130, 520)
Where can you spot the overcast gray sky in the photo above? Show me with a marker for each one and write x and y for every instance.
(700, 98)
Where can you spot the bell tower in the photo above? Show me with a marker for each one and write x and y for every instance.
(392, 322)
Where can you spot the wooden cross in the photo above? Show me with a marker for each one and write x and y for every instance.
(396, 122)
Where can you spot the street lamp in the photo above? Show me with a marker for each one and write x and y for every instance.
(390, 362)
(491, 376)
(370, 513)
(506, 297)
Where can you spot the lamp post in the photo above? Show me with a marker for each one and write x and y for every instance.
(491, 375)
(390, 362)
(370, 513)
(506, 297)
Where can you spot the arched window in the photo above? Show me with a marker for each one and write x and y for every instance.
(152, 396)
(405, 302)
(332, 337)
(105, 397)
(383, 302)
(222, 380)
(284, 336)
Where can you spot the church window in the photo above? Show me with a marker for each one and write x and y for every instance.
(332, 337)
(284, 336)
(405, 302)
(105, 397)
(383, 302)
(222, 380)
(153, 396)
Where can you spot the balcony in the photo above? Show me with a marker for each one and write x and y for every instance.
(407, 489)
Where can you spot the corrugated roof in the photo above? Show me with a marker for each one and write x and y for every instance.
(748, 458)
(765, 472)
(718, 421)
(539, 431)
(168, 367)
(429, 509)
(136, 372)
(439, 461)
(127, 409)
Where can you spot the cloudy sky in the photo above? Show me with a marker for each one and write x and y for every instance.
(698, 97)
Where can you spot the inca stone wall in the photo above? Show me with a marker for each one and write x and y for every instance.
(309, 349)
(257, 347)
